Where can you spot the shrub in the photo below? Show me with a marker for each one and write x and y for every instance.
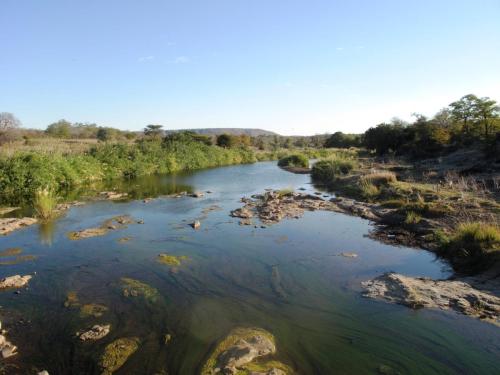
(294, 160)
(328, 169)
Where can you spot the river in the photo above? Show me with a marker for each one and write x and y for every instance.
(287, 278)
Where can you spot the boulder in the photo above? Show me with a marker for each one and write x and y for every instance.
(95, 333)
(16, 281)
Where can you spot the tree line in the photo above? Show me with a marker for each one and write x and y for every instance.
(467, 121)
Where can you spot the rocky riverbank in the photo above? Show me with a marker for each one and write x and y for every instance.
(457, 295)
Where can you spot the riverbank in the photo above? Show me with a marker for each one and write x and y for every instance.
(441, 208)
(24, 173)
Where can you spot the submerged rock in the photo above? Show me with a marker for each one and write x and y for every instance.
(349, 255)
(238, 352)
(92, 309)
(441, 294)
(171, 260)
(117, 353)
(136, 288)
(71, 300)
(117, 222)
(9, 225)
(97, 332)
(112, 195)
(16, 281)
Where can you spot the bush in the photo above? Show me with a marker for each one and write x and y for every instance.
(412, 218)
(294, 160)
(328, 169)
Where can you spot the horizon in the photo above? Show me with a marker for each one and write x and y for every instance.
(290, 68)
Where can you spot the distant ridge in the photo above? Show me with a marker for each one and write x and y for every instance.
(232, 131)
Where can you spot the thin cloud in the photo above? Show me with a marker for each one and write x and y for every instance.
(146, 58)
(182, 60)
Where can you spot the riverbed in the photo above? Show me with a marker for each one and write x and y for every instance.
(288, 278)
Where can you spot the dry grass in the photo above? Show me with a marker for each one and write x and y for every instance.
(379, 178)
(48, 146)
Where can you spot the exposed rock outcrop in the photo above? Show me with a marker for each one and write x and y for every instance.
(115, 223)
(7, 348)
(97, 332)
(11, 224)
(16, 281)
(454, 295)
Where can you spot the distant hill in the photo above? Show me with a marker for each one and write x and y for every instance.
(232, 131)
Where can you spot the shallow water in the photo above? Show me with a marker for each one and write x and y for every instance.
(286, 278)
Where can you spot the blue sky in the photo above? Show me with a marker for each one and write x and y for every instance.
(295, 67)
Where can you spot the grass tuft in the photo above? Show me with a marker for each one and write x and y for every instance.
(44, 204)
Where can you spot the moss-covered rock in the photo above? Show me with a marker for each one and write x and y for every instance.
(117, 353)
(135, 288)
(244, 352)
(171, 260)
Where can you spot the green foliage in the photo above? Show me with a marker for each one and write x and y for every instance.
(23, 174)
(59, 129)
(226, 140)
(328, 169)
(467, 120)
(475, 243)
(412, 218)
(368, 190)
(294, 160)
(342, 140)
(44, 204)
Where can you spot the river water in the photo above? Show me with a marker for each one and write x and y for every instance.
(286, 278)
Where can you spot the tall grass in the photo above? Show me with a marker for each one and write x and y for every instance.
(44, 204)
(476, 244)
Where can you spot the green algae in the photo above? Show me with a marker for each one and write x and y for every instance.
(116, 354)
(135, 288)
(231, 339)
(92, 309)
(171, 260)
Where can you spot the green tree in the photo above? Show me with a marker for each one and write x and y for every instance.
(59, 129)
(225, 140)
(487, 109)
(465, 110)
(153, 131)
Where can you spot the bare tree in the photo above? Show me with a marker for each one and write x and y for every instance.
(8, 124)
(8, 121)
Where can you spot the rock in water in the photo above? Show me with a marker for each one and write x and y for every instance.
(8, 225)
(418, 292)
(97, 332)
(16, 281)
(239, 352)
(117, 353)
(7, 348)
(196, 224)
